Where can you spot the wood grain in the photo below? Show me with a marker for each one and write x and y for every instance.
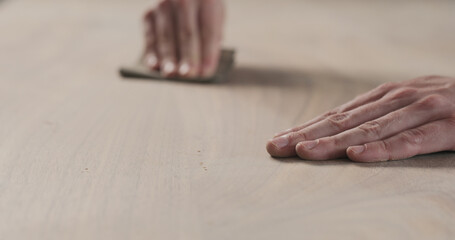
(87, 155)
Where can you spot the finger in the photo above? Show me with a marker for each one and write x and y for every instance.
(150, 53)
(166, 42)
(433, 137)
(284, 146)
(361, 100)
(188, 38)
(211, 24)
(427, 110)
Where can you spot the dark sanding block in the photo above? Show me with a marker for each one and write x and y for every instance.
(139, 70)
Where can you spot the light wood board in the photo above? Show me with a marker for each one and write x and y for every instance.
(85, 154)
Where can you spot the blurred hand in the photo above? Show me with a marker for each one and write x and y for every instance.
(183, 37)
(394, 121)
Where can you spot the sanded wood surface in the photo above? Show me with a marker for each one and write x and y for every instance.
(85, 154)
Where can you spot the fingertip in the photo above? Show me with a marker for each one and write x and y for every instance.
(184, 69)
(304, 149)
(300, 150)
(355, 153)
(168, 69)
(357, 150)
(271, 148)
(208, 71)
(209, 67)
(151, 61)
(318, 150)
(187, 70)
(279, 147)
(364, 154)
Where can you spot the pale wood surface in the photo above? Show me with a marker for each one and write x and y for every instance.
(87, 155)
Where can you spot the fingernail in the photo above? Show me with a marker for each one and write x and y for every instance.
(281, 142)
(310, 144)
(184, 69)
(357, 149)
(151, 60)
(168, 68)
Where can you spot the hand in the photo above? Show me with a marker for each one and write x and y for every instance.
(394, 121)
(183, 37)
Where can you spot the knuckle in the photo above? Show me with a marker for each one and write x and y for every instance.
(412, 140)
(338, 117)
(386, 148)
(336, 140)
(300, 135)
(340, 120)
(372, 129)
(413, 137)
(330, 113)
(432, 101)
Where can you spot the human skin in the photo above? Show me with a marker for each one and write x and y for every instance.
(394, 121)
(183, 37)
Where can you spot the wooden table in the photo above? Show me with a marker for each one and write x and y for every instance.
(85, 154)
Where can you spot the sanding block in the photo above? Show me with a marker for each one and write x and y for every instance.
(139, 70)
